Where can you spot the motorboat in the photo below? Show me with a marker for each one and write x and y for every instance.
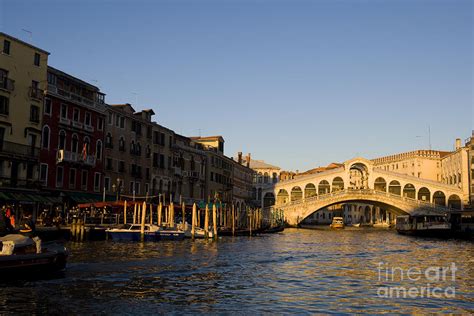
(198, 231)
(424, 225)
(337, 223)
(151, 232)
(21, 256)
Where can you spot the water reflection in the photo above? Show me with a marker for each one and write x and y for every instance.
(298, 271)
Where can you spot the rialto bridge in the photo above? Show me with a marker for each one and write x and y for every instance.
(358, 181)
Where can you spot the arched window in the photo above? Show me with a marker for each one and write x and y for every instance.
(62, 140)
(132, 147)
(98, 150)
(75, 143)
(45, 137)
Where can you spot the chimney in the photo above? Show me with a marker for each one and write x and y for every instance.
(458, 143)
(248, 160)
(239, 159)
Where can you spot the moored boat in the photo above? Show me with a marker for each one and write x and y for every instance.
(151, 232)
(337, 223)
(424, 225)
(24, 256)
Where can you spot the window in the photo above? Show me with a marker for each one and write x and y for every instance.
(59, 177)
(122, 144)
(122, 122)
(137, 187)
(97, 176)
(62, 140)
(147, 187)
(147, 173)
(162, 161)
(88, 119)
(34, 114)
(37, 59)
(64, 111)
(148, 132)
(44, 173)
(47, 106)
(45, 137)
(132, 187)
(155, 160)
(121, 166)
(75, 143)
(51, 78)
(84, 179)
(108, 164)
(75, 115)
(108, 141)
(98, 149)
(107, 183)
(72, 178)
(4, 105)
(100, 124)
(6, 47)
(110, 118)
(117, 120)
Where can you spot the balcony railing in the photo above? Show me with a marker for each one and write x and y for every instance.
(7, 84)
(89, 128)
(19, 149)
(76, 124)
(68, 156)
(75, 97)
(36, 93)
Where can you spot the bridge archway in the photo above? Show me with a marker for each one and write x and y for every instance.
(358, 174)
(424, 194)
(337, 184)
(296, 194)
(380, 184)
(324, 187)
(439, 198)
(395, 188)
(268, 199)
(454, 202)
(309, 190)
(409, 191)
(283, 196)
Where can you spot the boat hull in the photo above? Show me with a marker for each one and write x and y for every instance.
(14, 266)
(438, 233)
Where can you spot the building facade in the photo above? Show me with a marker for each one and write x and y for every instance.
(23, 69)
(128, 150)
(72, 141)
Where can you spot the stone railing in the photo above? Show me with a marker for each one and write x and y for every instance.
(365, 192)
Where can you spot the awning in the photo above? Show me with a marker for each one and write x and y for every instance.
(29, 197)
(82, 197)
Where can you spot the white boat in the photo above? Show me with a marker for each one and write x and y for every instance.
(198, 231)
(21, 256)
(152, 232)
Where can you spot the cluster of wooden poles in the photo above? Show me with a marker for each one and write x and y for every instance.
(223, 218)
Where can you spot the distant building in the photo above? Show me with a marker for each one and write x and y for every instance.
(128, 150)
(23, 69)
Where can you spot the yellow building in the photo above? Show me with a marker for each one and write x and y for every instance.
(23, 79)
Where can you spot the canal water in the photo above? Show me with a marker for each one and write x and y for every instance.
(297, 271)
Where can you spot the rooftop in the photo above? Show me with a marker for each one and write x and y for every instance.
(24, 43)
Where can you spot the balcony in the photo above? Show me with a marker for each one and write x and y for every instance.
(68, 156)
(14, 149)
(7, 84)
(77, 124)
(89, 128)
(98, 104)
(64, 121)
(36, 93)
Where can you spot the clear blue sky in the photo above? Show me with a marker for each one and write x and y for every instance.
(297, 83)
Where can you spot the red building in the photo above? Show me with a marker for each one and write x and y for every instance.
(72, 142)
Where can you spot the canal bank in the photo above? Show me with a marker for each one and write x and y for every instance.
(296, 271)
